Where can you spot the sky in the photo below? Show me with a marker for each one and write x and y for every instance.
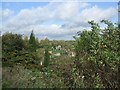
(54, 20)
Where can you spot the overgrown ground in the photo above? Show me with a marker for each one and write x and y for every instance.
(19, 76)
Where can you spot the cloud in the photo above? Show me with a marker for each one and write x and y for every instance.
(74, 17)
(55, 31)
(5, 14)
(28, 17)
(69, 9)
(96, 13)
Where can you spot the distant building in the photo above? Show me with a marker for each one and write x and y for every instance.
(57, 54)
(71, 54)
(58, 47)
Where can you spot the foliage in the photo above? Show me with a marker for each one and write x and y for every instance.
(45, 43)
(11, 42)
(46, 57)
(95, 65)
(15, 50)
(26, 42)
(97, 56)
(20, 77)
(32, 42)
(37, 42)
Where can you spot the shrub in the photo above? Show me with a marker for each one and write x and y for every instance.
(97, 55)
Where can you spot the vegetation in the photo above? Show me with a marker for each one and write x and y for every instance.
(32, 42)
(98, 56)
(27, 63)
(46, 57)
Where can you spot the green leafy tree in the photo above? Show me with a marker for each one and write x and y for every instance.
(37, 42)
(32, 42)
(46, 57)
(12, 42)
(26, 41)
(45, 42)
(97, 56)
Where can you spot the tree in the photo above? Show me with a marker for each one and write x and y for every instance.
(12, 42)
(97, 55)
(45, 42)
(37, 42)
(12, 45)
(46, 57)
(26, 41)
(32, 42)
(26, 38)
